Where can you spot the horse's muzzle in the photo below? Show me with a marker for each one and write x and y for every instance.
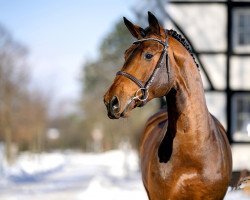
(113, 108)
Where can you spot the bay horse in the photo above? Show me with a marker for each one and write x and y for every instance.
(184, 150)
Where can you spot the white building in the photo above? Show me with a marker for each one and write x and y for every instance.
(219, 32)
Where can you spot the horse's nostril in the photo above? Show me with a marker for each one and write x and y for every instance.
(114, 104)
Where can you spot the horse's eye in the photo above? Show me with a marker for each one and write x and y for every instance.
(148, 56)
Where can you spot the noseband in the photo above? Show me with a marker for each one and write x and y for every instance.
(143, 88)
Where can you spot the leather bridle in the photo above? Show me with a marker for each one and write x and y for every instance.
(143, 88)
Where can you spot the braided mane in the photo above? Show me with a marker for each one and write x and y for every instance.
(184, 42)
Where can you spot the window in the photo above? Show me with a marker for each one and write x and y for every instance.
(241, 117)
(241, 29)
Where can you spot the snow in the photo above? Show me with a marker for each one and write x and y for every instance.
(113, 175)
(73, 175)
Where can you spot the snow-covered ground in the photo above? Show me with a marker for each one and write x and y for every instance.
(72, 176)
(112, 175)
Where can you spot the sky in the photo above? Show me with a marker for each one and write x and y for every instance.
(60, 36)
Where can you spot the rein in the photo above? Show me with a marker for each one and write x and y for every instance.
(143, 88)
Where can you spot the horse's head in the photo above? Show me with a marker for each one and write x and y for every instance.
(145, 74)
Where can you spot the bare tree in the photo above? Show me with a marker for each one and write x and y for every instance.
(22, 112)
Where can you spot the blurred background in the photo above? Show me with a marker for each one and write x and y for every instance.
(57, 59)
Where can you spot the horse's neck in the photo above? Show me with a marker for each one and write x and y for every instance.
(187, 110)
(188, 116)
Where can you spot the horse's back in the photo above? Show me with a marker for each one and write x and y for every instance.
(151, 139)
(152, 128)
(224, 146)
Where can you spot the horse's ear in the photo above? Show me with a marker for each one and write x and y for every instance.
(135, 30)
(153, 23)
